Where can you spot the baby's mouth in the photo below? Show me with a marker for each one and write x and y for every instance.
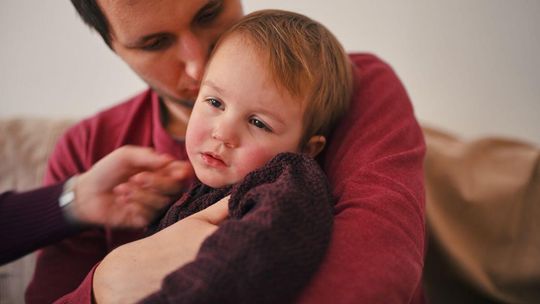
(213, 159)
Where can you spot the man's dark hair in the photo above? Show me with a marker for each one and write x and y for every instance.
(91, 14)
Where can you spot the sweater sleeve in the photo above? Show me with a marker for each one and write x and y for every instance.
(83, 294)
(61, 267)
(30, 220)
(277, 235)
(374, 164)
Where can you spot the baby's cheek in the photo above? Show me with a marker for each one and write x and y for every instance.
(254, 159)
(195, 137)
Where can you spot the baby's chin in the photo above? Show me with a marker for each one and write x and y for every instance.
(215, 181)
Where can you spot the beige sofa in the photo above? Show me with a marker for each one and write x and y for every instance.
(482, 209)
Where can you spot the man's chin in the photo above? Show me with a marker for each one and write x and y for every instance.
(187, 102)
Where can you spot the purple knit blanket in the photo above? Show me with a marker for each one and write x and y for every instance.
(277, 233)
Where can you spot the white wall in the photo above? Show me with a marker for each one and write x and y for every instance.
(471, 67)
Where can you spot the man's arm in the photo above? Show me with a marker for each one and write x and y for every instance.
(178, 245)
(30, 220)
(33, 219)
(113, 280)
(374, 164)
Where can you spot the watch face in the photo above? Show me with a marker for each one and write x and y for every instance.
(68, 195)
(66, 198)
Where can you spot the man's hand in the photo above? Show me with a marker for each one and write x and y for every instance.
(127, 188)
(154, 257)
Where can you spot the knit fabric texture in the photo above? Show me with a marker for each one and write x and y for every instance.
(277, 233)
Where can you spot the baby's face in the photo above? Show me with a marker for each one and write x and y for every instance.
(240, 119)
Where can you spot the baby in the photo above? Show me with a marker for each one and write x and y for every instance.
(275, 85)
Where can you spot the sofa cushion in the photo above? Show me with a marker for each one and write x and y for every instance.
(483, 211)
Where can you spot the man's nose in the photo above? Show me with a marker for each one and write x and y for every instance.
(193, 52)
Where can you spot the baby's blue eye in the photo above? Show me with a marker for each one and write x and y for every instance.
(259, 124)
(214, 103)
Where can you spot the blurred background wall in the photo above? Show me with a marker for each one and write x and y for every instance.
(470, 67)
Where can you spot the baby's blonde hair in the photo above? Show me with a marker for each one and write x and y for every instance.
(305, 59)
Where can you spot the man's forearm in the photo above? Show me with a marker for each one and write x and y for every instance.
(154, 257)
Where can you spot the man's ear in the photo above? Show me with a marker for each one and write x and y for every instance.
(314, 145)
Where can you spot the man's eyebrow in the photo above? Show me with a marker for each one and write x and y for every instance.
(211, 84)
(211, 4)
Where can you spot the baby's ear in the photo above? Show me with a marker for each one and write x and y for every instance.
(314, 145)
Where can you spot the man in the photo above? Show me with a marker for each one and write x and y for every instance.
(374, 158)
(97, 197)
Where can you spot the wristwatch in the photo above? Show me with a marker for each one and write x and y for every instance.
(68, 193)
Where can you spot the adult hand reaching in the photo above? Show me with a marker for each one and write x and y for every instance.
(154, 257)
(127, 188)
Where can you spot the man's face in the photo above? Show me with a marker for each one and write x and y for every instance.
(167, 42)
(241, 119)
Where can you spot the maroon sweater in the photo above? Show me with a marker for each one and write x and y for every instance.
(279, 226)
(29, 220)
(373, 162)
